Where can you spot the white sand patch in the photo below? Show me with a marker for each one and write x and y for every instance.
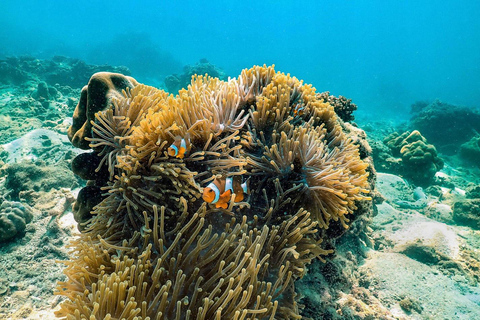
(28, 146)
(67, 221)
(35, 143)
(394, 275)
(436, 235)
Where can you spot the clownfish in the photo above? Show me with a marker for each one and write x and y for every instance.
(220, 191)
(179, 147)
(298, 109)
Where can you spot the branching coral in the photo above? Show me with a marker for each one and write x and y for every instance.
(152, 248)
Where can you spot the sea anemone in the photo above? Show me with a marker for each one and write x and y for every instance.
(153, 248)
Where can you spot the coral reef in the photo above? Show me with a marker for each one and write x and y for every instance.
(344, 107)
(62, 70)
(14, 217)
(412, 157)
(151, 248)
(37, 93)
(445, 125)
(175, 82)
(23, 109)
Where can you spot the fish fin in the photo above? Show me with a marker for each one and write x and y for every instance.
(246, 186)
(225, 197)
(221, 204)
(239, 197)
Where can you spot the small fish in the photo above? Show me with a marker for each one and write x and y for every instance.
(179, 147)
(220, 191)
(298, 109)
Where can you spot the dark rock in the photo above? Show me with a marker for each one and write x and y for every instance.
(470, 150)
(176, 82)
(473, 191)
(445, 125)
(467, 213)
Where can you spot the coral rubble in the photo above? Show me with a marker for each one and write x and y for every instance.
(152, 248)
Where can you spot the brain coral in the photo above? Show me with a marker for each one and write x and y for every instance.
(420, 160)
(14, 217)
(152, 248)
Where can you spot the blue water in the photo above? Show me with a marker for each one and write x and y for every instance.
(383, 54)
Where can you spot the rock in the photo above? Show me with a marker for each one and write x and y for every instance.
(392, 187)
(41, 92)
(26, 177)
(473, 191)
(421, 234)
(43, 144)
(408, 304)
(470, 150)
(447, 126)
(467, 213)
(440, 212)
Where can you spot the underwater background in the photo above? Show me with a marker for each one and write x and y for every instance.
(382, 54)
(361, 199)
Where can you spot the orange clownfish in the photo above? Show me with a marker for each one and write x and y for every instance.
(220, 191)
(298, 109)
(179, 147)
